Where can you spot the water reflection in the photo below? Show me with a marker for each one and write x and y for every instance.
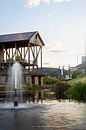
(48, 116)
(67, 115)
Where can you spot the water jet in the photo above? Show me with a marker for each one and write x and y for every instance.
(15, 82)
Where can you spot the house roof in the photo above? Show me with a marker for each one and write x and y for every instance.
(81, 66)
(21, 39)
(35, 72)
(16, 37)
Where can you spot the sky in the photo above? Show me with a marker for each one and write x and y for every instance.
(61, 24)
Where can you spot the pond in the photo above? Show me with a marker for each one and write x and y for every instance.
(51, 115)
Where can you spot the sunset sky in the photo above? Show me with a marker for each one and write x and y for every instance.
(61, 24)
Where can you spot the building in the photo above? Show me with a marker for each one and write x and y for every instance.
(25, 48)
(83, 59)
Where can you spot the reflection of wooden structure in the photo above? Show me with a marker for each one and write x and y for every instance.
(36, 77)
(24, 47)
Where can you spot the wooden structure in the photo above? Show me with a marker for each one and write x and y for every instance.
(24, 47)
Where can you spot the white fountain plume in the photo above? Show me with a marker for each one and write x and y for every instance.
(15, 80)
(16, 75)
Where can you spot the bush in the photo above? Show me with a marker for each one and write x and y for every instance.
(77, 92)
(27, 87)
(49, 80)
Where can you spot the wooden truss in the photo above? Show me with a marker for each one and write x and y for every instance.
(28, 56)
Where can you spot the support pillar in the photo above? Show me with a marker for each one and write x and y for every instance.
(41, 57)
(28, 56)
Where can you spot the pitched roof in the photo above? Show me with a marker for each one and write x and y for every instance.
(16, 37)
(35, 72)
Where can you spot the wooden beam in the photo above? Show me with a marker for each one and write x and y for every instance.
(25, 53)
(33, 52)
(7, 54)
(19, 53)
(41, 57)
(3, 52)
(12, 53)
(15, 51)
(29, 56)
(36, 56)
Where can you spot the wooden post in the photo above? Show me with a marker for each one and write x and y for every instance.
(3, 52)
(41, 56)
(9, 53)
(28, 56)
(6, 54)
(21, 52)
(29, 60)
(24, 53)
(36, 56)
(12, 53)
(15, 51)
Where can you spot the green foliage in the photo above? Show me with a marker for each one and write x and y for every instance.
(30, 88)
(77, 92)
(61, 77)
(27, 87)
(67, 89)
(75, 74)
(35, 88)
(45, 95)
(60, 89)
(49, 80)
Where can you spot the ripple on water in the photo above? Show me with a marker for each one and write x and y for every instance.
(47, 116)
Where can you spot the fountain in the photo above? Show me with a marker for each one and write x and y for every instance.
(14, 90)
(15, 82)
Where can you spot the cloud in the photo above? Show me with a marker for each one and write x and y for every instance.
(57, 47)
(34, 3)
(58, 51)
(46, 63)
(61, 0)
